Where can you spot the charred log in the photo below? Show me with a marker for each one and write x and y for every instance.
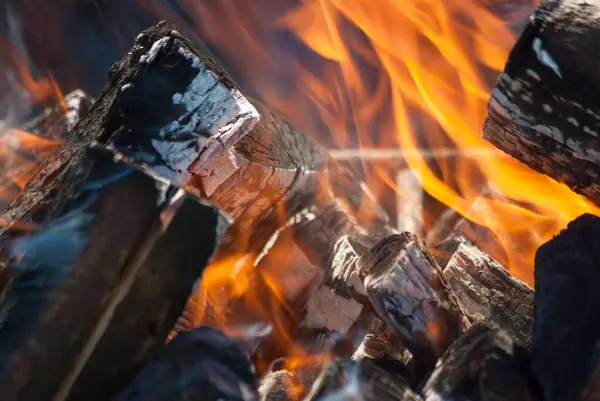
(483, 364)
(406, 287)
(543, 109)
(202, 364)
(98, 261)
(487, 290)
(566, 329)
(364, 379)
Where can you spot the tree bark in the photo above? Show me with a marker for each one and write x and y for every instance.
(566, 330)
(543, 110)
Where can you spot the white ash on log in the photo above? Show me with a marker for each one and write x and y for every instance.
(201, 364)
(483, 364)
(566, 328)
(405, 285)
(363, 380)
(486, 289)
(97, 276)
(544, 109)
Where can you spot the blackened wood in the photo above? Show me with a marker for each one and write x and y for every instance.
(566, 328)
(486, 289)
(364, 380)
(96, 277)
(543, 110)
(201, 364)
(405, 285)
(483, 364)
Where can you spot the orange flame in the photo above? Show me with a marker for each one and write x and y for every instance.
(20, 151)
(433, 64)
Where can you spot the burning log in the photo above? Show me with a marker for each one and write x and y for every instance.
(566, 329)
(364, 379)
(202, 364)
(483, 364)
(543, 109)
(406, 287)
(172, 109)
(487, 290)
(24, 149)
(56, 122)
(262, 181)
(98, 261)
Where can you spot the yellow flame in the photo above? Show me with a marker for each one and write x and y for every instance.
(434, 54)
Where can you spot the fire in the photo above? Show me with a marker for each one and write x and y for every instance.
(20, 151)
(412, 75)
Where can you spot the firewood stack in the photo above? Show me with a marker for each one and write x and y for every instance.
(102, 250)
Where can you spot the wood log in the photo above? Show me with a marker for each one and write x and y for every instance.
(406, 287)
(280, 385)
(54, 123)
(171, 108)
(488, 292)
(202, 364)
(364, 380)
(543, 109)
(566, 330)
(25, 148)
(270, 177)
(89, 282)
(483, 364)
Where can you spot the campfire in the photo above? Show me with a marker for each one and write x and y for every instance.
(179, 236)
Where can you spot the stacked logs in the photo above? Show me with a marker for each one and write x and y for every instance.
(101, 250)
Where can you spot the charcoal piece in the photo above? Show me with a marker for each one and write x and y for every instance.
(566, 328)
(406, 287)
(486, 289)
(201, 364)
(482, 364)
(543, 110)
(98, 261)
(364, 380)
